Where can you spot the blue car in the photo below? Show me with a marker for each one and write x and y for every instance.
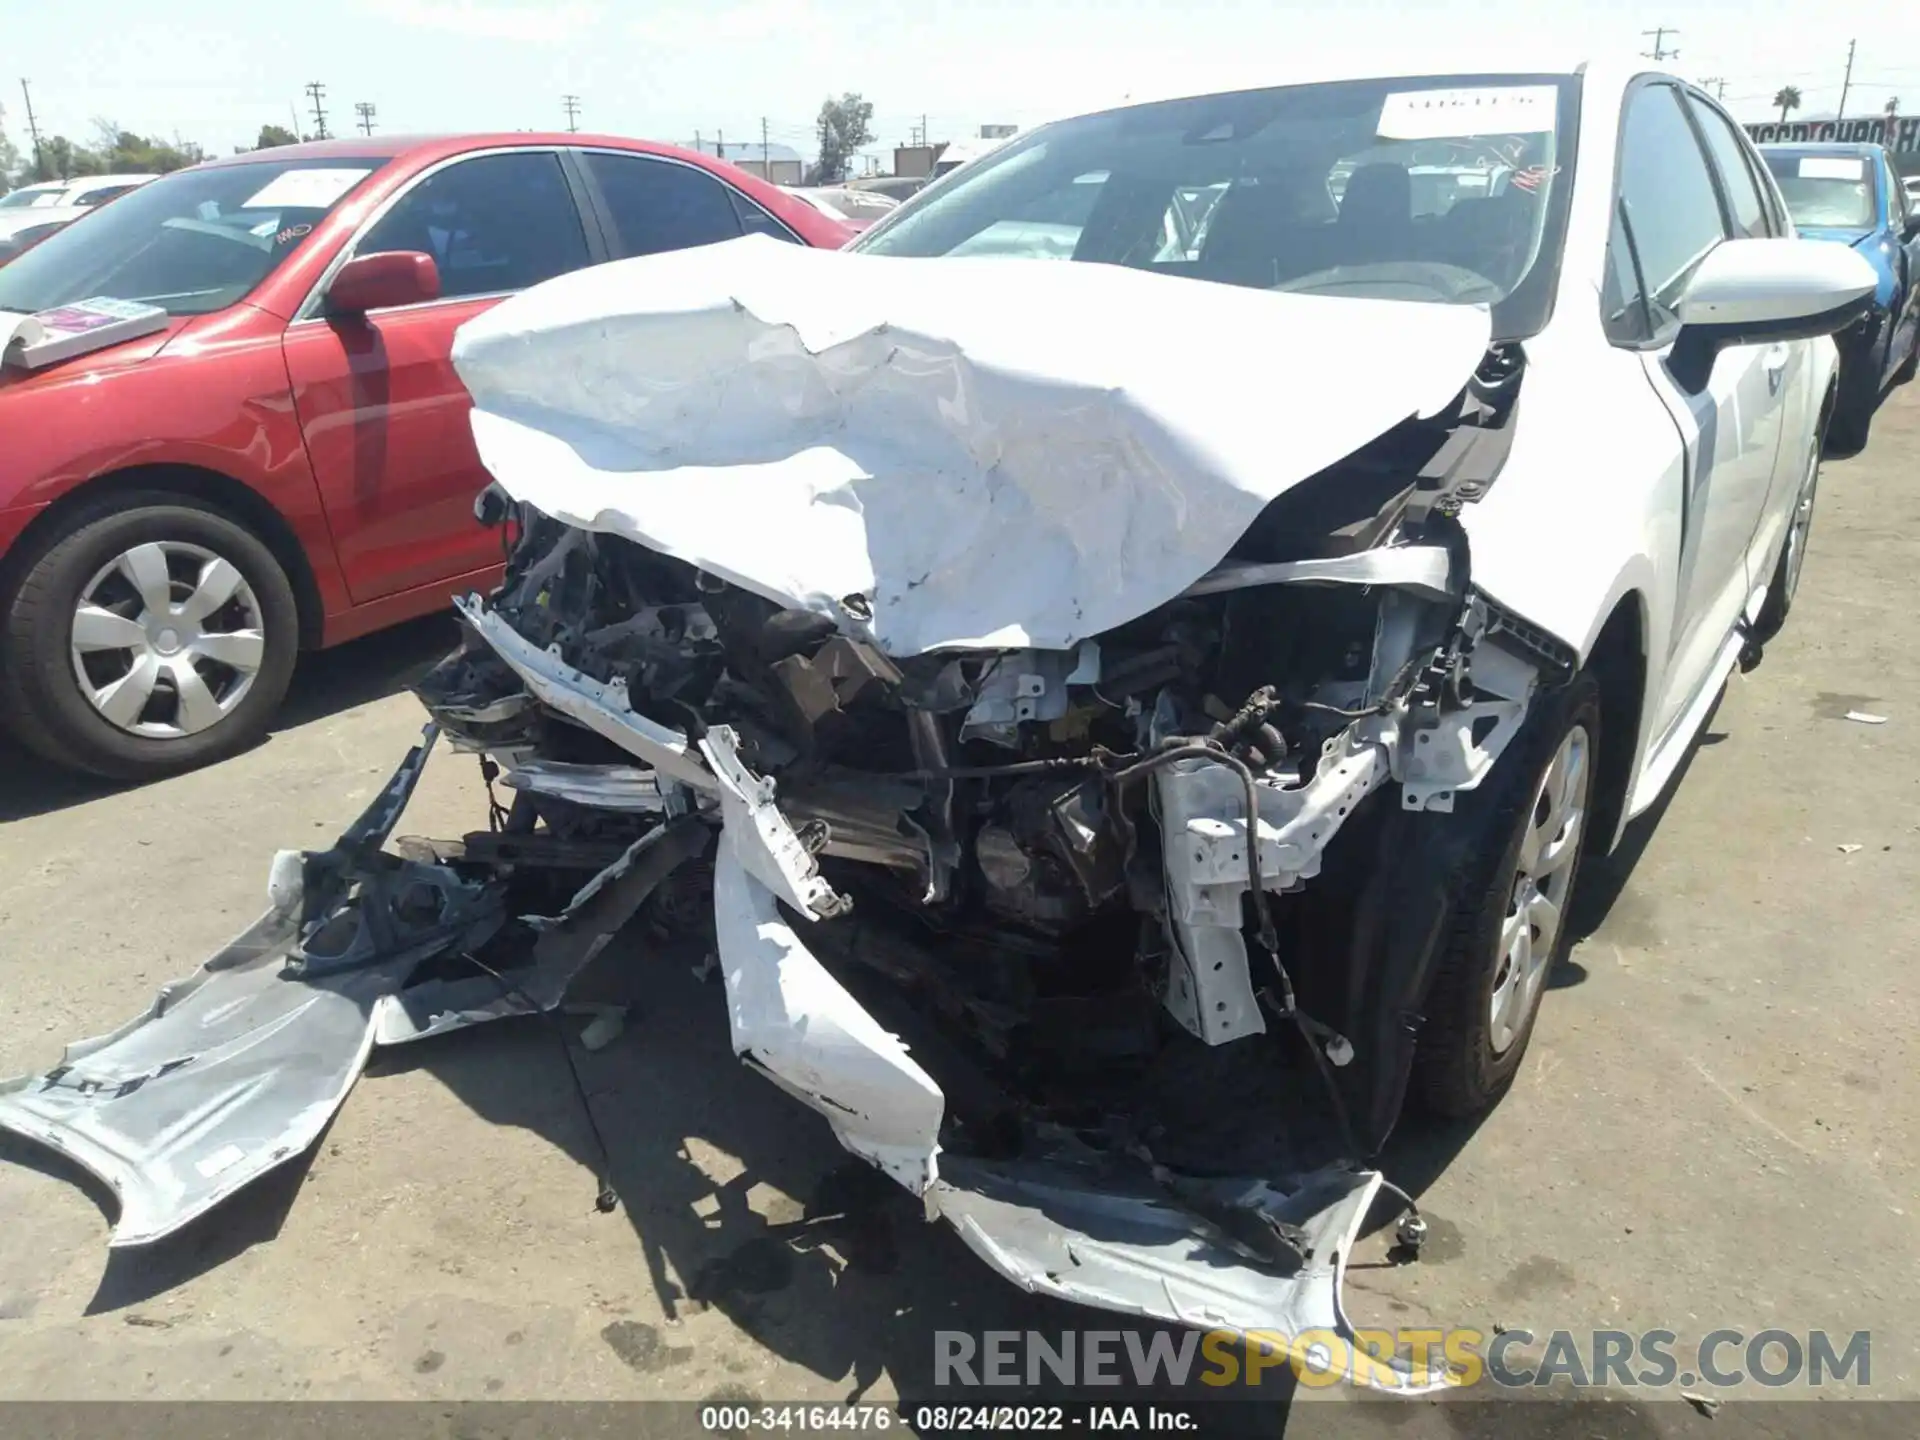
(1851, 194)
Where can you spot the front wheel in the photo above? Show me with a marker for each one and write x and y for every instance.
(149, 636)
(1793, 555)
(1510, 923)
(1859, 397)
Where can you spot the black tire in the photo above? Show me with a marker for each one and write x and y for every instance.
(1852, 421)
(41, 700)
(1787, 569)
(1911, 365)
(1459, 1070)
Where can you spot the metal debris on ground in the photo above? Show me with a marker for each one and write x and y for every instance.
(1707, 1405)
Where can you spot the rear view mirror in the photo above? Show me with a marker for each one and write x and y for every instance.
(1760, 292)
(378, 282)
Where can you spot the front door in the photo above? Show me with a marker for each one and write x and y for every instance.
(382, 410)
(1677, 209)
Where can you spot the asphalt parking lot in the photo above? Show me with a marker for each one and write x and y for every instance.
(1718, 1124)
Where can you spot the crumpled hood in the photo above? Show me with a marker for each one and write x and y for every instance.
(938, 453)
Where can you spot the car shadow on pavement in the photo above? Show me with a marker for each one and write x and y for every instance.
(815, 1254)
(325, 683)
(363, 671)
(1603, 878)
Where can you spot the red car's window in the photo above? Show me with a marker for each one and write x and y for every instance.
(493, 224)
(658, 205)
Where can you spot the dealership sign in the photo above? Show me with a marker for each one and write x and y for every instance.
(1900, 134)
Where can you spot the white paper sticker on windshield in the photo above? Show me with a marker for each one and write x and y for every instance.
(304, 189)
(1832, 167)
(1482, 110)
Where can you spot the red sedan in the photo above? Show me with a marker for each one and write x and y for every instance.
(287, 464)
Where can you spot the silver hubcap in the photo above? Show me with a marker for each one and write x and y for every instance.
(1801, 523)
(167, 640)
(1538, 901)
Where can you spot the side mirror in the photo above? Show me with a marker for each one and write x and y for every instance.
(378, 282)
(1911, 226)
(1760, 292)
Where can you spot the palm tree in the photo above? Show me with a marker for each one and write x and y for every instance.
(1787, 98)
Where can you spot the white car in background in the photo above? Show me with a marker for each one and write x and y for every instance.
(858, 208)
(1120, 735)
(60, 202)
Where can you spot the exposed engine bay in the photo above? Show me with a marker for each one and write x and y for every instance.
(1112, 952)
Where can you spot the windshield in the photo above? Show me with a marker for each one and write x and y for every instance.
(1825, 192)
(32, 195)
(191, 242)
(1445, 189)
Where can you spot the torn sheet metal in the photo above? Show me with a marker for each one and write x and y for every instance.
(1426, 568)
(568, 943)
(1129, 1246)
(231, 1071)
(797, 1025)
(938, 453)
(240, 1067)
(600, 706)
(599, 787)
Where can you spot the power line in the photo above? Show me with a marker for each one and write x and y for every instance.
(1846, 84)
(365, 111)
(33, 129)
(571, 103)
(318, 91)
(1660, 51)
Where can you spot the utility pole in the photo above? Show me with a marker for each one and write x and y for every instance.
(698, 148)
(1716, 84)
(318, 91)
(364, 110)
(765, 173)
(572, 105)
(1660, 51)
(1846, 84)
(720, 144)
(33, 129)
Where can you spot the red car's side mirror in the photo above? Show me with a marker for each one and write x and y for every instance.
(377, 282)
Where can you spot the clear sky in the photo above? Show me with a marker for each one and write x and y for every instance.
(214, 71)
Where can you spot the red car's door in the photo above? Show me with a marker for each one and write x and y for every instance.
(383, 413)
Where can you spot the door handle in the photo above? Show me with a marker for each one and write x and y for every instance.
(1775, 359)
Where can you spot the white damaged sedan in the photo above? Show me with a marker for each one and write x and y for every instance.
(1123, 726)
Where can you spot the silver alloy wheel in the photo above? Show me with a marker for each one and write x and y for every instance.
(166, 639)
(1536, 905)
(1797, 528)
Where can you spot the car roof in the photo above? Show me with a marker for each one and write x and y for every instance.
(1826, 147)
(435, 147)
(1261, 74)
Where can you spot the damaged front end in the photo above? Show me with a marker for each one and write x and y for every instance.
(1110, 944)
(1000, 916)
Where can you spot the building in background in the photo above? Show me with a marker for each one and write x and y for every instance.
(998, 132)
(917, 160)
(780, 164)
